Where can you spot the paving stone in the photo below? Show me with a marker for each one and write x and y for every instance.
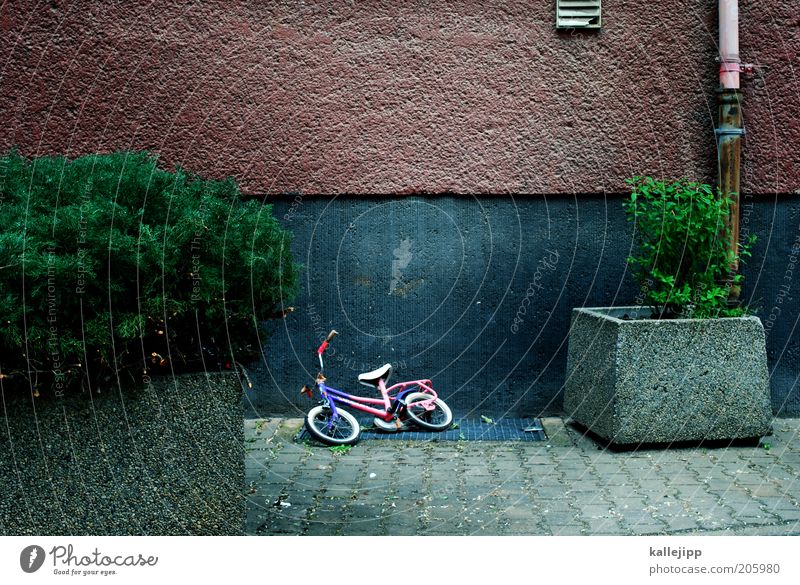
(718, 484)
(791, 458)
(577, 475)
(598, 509)
(274, 478)
(751, 479)
(254, 467)
(636, 516)
(788, 514)
(254, 521)
(569, 530)
(590, 500)
(669, 466)
(778, 503)
(290, 456)
(586, 483)
(767, 490)
(620, 491)
(622, 480)
(737, 501)
(550, 493)
(524, 528)
(607, 469)
(653, 483)
(300, 497)
(401, 530)
(338, 491)
(718, 522)
(753, 510)
(639, 464)
(555, 505)
(516, 482)
(690, 492)
(465, 530)
(326, 518)
(542, 463)
(681, 523)
(602, 526)
(552, 481)
(654, 495)
(319, 529)
(406, 495)
(478, 472)
(559, 518)
(349, 473)
(644, 529)
(703, 505)
(438, 515)
(364, 527)
(280, 524)
(685, 478)
(523, 510)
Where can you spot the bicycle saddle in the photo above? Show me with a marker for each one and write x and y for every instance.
(371, 378)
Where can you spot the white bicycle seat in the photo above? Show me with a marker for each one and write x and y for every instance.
(371, 378)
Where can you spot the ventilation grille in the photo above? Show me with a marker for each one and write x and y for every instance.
(578, 14)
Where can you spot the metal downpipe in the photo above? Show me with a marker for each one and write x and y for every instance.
(730, 128)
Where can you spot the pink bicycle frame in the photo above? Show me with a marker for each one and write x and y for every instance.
(390, 397)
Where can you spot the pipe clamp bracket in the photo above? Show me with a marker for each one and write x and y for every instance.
(730, 131)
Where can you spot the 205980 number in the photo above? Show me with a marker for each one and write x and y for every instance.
(762, 568)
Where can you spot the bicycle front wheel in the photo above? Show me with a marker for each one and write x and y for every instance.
(438, 419)
(341, 430)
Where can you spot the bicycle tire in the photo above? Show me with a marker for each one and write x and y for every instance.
(344, 431)
(438, 419)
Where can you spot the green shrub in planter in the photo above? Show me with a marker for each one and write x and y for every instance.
(683, 260)
(109, 263)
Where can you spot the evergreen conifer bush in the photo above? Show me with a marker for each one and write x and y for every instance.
(109, 263)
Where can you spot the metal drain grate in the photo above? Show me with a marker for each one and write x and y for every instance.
(467, 429)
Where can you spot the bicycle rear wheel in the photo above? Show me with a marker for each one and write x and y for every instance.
(341, 430)
(438, 419)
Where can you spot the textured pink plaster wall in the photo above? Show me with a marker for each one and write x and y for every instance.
(395, 96)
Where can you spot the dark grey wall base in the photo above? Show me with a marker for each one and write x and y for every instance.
(170, 463)
(477, 294)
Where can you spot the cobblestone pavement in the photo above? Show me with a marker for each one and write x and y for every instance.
(565, 486)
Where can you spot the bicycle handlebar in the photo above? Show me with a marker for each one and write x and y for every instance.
(327, 341)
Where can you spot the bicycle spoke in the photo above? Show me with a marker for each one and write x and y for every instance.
(339, 429)
(348, 429)
(435, 416)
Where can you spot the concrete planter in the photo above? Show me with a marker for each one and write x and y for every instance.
(633, 380)
(162, 458)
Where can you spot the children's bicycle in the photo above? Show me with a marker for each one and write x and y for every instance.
(403, 405)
